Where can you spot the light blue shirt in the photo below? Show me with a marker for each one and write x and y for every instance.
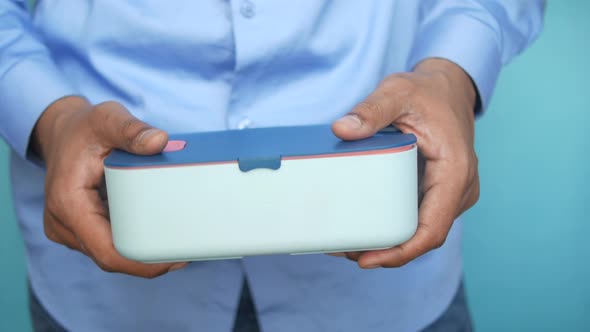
(188, 66)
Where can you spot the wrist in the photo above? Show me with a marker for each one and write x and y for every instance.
(53, 120)
(454, 74)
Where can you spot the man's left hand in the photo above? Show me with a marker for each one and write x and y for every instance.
(436, 103)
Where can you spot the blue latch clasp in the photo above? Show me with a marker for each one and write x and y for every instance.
(249, 164)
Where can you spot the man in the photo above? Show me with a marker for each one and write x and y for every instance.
(80, 78)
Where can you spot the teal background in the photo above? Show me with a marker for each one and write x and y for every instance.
(527, 257)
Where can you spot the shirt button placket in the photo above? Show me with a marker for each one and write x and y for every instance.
(247, 9)
(244, 123)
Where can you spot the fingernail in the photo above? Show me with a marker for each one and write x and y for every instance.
(177, 266)
(352, 121)
(147, 134)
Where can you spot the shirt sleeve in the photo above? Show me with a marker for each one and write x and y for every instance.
(29, 79)
(478, 35)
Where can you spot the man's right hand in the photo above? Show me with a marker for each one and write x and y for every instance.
(73, 138)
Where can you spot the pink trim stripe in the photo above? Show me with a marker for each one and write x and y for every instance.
(348, 154)
(333, 155)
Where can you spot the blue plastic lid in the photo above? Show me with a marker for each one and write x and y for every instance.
(259, 147)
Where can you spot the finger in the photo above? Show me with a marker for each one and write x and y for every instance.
(353, 255)
(116, 126)
(177, 266)
(104, 198)
(76, 202)
(439, 208)
(89, 223)
(472, 195)
(379, 110)
(56, 232)
(102, 189)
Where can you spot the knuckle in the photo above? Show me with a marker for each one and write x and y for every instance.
(102, 112)
(475, 193)
(52, 200)
(108, 106)
(438, 240)
(127, 130)
(371, 112)
(106, 262)
(51, 205)
(465, 172)
(435, 238)
(50, 234)
(106, 267)
(469, 164)
(55, 203)
(101, 118)
(398, 84)
(131, 127)
(352, 256)
(369, 108)
(402, 259)
(72, 246)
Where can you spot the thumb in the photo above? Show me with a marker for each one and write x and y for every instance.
(367, 118)
(121, 130)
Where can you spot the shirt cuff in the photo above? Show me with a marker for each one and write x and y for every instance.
(26, 90)
(467, 42)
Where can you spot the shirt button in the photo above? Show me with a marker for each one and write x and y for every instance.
(244, 123)
(247, 9)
